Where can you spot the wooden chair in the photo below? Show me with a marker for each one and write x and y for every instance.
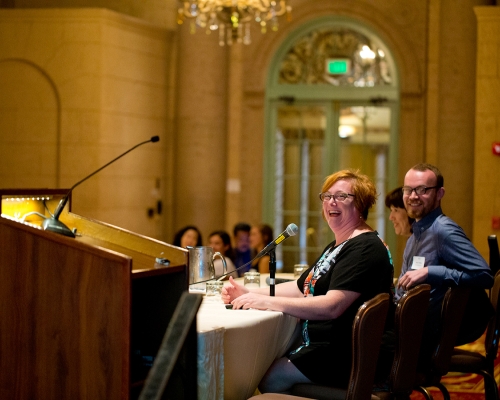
(409, 320)
(367, 332)
(452, 310)
(472, 362)
(494, 254)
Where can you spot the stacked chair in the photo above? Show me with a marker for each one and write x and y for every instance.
(367, 333)
(476, 363)
(409, 320)
(452, 310)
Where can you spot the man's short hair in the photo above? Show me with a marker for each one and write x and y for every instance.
(424, 167)
(241, 226)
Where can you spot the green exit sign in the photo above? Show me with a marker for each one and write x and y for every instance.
(338, 66)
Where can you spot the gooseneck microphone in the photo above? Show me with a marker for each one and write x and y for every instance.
(291, 230)
(53, 224)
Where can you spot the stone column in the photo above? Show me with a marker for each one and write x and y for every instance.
(200, 133)
(456, 85)
(486, 164)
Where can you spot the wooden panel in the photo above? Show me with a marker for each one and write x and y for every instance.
(65, 317)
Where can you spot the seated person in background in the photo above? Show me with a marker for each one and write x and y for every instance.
(220, 241)
(242, 251)
(398, 215)
(440, 254)
(260, 236)
(351, 270)
(188, 236)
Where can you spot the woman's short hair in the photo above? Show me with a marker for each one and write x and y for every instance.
(363, 189)
(395, 198)
(226, 239)
(180, 233)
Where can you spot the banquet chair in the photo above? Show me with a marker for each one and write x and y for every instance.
(409, 319)
(367, 329)
(473, 362)
(494, 254)
(452, 311)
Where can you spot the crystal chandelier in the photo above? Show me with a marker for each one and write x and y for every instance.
(232, 17)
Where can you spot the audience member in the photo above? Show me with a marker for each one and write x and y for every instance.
(220, 241)
(188, 236)
(440, 254)
(398, 215)
(260, 236)
(351, 270)
(242, 251)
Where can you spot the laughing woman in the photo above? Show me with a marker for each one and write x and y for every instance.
(352, 269)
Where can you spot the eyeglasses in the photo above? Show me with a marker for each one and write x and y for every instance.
(339, 196)
(419, 190)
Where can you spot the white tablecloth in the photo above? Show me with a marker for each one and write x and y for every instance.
(236, 347)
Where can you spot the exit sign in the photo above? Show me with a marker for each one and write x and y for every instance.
(338, 66)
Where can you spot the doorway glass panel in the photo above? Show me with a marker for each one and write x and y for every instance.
(364, 133)
(309, 146)
(300, 147)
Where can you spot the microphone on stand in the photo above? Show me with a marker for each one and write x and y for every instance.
(53, 224)
(290, 230)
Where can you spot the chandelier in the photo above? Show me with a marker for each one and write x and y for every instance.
(232, 18)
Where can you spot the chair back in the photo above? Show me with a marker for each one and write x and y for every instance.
(493, 329)
(409, 320)
(367, 330)
(494, 254)
(452, 310)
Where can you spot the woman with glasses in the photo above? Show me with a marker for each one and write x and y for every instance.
(352, 269)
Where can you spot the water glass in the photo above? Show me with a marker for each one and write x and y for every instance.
(214, 288)
(251, 279)
(298, 269)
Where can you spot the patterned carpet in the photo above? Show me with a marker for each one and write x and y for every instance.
(463, 386)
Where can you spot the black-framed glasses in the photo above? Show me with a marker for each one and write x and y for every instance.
(339, 196)
(419, 190)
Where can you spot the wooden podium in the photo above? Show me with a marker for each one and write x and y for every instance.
(80, 318)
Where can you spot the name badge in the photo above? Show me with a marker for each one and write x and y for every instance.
(418, 262)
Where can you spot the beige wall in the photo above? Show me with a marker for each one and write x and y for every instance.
(486, 165)
(102, 77)
(108, 80)
(162, 13)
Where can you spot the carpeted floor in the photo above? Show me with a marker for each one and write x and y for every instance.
(463, 386)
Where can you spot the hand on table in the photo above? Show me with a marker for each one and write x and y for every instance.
(232, 291)
(251, 300)
(413, 277)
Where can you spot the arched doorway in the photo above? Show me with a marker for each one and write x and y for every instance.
(332, 102)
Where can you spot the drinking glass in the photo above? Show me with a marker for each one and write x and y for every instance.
(251, 279)
(298, 269)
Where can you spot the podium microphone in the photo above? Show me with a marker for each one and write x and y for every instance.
(53, 224)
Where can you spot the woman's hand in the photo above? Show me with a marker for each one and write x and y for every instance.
(232, 291)
(252, 300)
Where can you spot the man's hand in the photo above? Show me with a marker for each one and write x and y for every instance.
(232, 291)
(413, 277)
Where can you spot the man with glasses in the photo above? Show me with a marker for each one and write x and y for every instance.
(440, 254)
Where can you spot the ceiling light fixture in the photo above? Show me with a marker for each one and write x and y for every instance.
(232, 17)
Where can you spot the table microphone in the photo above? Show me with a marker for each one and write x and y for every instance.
(53, 224)
(291, 230)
